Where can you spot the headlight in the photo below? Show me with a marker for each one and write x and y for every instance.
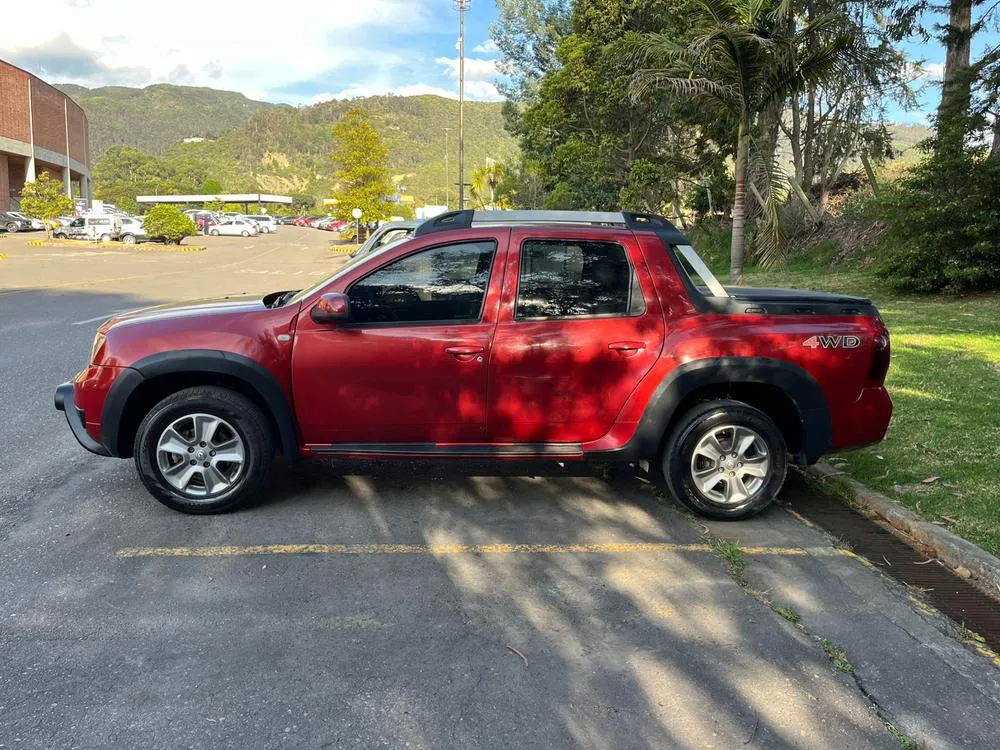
(98, 343)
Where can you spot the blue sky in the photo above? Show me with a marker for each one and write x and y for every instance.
(314, 50)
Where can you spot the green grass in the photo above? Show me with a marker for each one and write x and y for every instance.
(945, 384)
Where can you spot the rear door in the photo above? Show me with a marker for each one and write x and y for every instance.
(579, 326)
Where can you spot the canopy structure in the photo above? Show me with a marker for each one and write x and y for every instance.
(244, 198)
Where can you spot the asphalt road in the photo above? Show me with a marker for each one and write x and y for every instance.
(415, 605)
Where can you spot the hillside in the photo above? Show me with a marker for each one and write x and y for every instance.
(156, 117)
(286, 150)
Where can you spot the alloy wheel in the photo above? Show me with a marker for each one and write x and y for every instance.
(729, 464)
(200, 455)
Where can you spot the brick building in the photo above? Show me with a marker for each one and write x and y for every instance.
(41, 130)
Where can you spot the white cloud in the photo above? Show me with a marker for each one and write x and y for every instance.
(489, 47)
(475, 69)
(202, 43)
(933, 70)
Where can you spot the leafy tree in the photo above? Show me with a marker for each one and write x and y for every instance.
(167, 222)
(589, 142)
(487, 182)
(46, 199)
(747, 56)
(362, 169)
(944, 230)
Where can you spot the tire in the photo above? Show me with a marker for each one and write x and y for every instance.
(243, 429)
(105, 238)
(13, 227)
(689, 469)
(246, 233)
(214, 232)
(59, 236)
(129, 239)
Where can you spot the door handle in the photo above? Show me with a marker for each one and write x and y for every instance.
(465, 351)
(626, 346)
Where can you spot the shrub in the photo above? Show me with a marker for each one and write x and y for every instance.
(944, 227)
(168, 223)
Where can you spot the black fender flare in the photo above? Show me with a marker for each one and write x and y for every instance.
(798, 385)
(186, 361)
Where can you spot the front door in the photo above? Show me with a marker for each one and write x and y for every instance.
(411, 365)
(579, 326)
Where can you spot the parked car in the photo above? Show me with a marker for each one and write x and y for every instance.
(132, 230)
(266, 224)
(103, 227)
(36, 224)
(386, 234)
(200, 222)
(234, 227)
(12, 223)
(521, 334)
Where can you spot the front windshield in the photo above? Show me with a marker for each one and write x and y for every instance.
(351, 262)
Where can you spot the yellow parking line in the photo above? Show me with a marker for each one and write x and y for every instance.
(436, 549)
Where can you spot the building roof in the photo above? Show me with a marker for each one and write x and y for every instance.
(225, 198)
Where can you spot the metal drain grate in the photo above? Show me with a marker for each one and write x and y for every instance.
(955, 597)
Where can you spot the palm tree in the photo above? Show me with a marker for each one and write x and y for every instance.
(486, 182)
(748, 56)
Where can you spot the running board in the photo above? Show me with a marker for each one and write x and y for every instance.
(511, 450)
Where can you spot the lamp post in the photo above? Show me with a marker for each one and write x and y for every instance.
(461, 6)
(447, 189)
(357, 214)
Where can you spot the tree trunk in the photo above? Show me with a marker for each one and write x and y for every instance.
(736, 249)
(956, 86)
(995, 148)
(867, 164)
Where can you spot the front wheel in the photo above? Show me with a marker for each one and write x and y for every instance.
(59, 236)
(214, 233)
(129, 239)
(725, 460)
(246, 233)
(13, 227)
(105, 238)
(203, 450)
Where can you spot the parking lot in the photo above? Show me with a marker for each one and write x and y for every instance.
(370, 604)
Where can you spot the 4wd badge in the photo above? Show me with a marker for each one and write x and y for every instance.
(832, 342)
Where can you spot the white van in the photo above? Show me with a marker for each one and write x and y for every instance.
(103, 227)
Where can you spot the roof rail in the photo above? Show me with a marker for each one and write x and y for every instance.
(469, 218)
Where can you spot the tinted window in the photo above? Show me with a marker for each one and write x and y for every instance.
(571, 278)
(439, 284)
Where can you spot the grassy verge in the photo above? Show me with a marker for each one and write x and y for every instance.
(943, 448)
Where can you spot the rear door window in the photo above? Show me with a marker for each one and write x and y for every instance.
(576, 279)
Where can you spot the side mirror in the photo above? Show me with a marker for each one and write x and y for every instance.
(331, 308)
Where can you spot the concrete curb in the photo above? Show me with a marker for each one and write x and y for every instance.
(119, 246)
(963, 557)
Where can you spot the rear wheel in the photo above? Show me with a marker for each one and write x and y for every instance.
(246, 233)
(203, 450)
(59, 236)
(105, 238)
(725, 460)
(214, 233)
(129, 239)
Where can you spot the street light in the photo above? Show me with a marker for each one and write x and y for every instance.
(357, 214)
(461, 6)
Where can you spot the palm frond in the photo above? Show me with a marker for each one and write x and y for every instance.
(771, 182)
(644, 81)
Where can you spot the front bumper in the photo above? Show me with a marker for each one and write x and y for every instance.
(65, 403)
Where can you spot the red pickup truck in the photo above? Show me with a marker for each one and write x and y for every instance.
(515, 334)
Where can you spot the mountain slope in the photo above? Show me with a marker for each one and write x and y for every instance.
(288, 150)
(156, 117)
